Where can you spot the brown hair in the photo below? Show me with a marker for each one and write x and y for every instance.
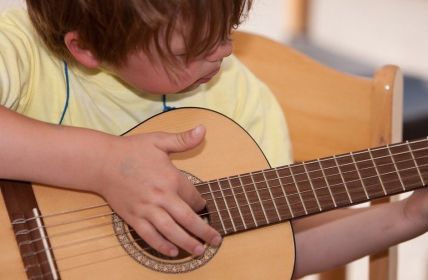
(111, 29)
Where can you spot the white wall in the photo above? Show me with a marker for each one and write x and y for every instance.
(375, 31)
(10, 3)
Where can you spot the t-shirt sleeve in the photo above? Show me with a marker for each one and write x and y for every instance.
(260, 114)
(15, 63)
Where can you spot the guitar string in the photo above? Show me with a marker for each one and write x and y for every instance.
(118, 256)
(235, 194)
(139, 239)
(28, 231)
(20, 221)
(75, 230)
(296, 182)
(112, 235)
(339, 172)
(223, 209)
(106, 248)
(310, 191)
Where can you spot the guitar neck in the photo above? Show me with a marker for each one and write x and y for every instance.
(256, 199)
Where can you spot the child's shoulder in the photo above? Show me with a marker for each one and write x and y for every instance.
(17, 32)
(19, 37)
(16, 18)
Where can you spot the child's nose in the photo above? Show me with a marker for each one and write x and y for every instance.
(220, 51)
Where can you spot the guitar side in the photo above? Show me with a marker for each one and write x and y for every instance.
(266, 252)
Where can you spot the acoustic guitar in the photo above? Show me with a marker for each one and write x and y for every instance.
(57, 233)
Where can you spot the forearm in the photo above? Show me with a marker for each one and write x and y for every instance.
(50, 154)
(338, 237)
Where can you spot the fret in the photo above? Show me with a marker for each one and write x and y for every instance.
(259, 199)
(228, 207)
(254, 199)
(327, 184)
(409, 148)
(298, 190)
(387, 170)
(395, 167)
(212, 212)
(351, 178)
(271, 196)
(248, 201)
(343, 180)
(217, 208)
(244, 208)
(369, 174)
(377, 172)
(284, 193)
(335, 181)
(420, 151)
(222, 206)
(265, 198)
(303, 184)
(405, 166)
(268, 196)
(280, 200)
(359, 175)
(236, 203)
(319, 183)
(312, 186)
(292, 196)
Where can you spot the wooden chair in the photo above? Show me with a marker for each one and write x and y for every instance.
(328, 112)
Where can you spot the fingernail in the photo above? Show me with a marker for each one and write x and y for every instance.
(216, 241)
(199, 250)
(197, 130)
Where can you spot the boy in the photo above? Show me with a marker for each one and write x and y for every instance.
(107, 65)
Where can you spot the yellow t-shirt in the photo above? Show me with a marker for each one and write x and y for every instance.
(33, 83)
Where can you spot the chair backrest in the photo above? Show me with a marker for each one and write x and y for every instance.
(328, 112)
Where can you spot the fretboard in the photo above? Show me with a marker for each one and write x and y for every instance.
(256, 199)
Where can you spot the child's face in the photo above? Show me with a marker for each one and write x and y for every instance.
(150, 75)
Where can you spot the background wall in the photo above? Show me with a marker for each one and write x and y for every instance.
(356, 35)
(373, 32)
(9, 3)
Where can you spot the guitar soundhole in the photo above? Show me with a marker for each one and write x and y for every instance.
(141, 252)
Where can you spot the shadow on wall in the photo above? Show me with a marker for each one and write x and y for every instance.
(415, 108)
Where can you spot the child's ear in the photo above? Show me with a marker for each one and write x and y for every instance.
(82, 55)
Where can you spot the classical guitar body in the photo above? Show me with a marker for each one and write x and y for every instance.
(86, 241)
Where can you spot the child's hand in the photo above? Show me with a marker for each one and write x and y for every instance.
(151, 195)
(416, 207)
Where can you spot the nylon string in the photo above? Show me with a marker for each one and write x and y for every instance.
(20, 221)
(110, 235)
(217, 212)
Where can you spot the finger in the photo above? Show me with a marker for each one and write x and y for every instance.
(166, 225)
(188, 192)
(180, 142)
(192, 222)
(152, 237)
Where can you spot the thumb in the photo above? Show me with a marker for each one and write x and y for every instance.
(183, 141)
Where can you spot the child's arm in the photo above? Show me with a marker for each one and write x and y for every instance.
(134, 174)
(338, 237)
